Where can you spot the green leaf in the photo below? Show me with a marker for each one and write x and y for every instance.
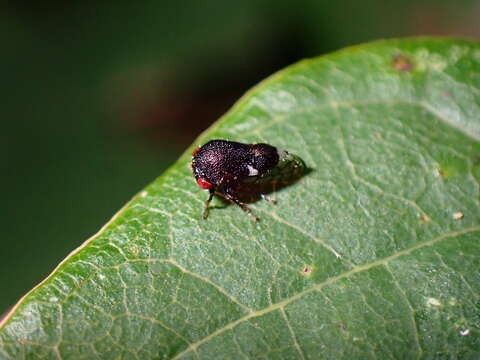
(373, 254)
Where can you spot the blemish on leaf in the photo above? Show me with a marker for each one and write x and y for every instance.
(424, 218)
(458, 216)
(402, 63)
(307, 270)
(433, 302)
(465, 332)
(143, 194)
(446, 172)
(424, 60)
(135, 250)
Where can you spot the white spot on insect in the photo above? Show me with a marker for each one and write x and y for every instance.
(252, 171)
(465, 332)
(433, 302)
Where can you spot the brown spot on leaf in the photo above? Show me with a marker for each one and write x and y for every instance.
(307, 270)
(424, 218)
(402, 63)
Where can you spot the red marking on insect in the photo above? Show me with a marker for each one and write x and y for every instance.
(238, 171)
(204, 184)
(195, 152)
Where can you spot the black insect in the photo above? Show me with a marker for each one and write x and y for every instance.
(230, 169)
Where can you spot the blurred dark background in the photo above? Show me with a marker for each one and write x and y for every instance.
(98, 98)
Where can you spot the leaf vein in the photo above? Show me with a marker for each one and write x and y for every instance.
(376, 188)
(412, 311)
(310, 236)
(292, 333)
(200, 277)
(358, 269)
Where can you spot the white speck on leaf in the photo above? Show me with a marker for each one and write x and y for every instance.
(458, 215)
(433, 302)
(426, 60)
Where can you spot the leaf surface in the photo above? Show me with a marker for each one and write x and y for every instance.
(373, 254)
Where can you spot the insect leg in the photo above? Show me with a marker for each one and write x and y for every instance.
(268, 198)
(234, 200)
(207, 203)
